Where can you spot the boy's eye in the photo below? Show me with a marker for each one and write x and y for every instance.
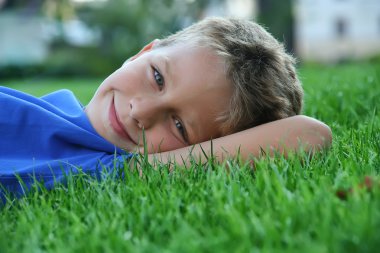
(181, 129)
(158, 78)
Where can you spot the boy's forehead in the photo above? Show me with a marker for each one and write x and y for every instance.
(184, 50)
(202, 58)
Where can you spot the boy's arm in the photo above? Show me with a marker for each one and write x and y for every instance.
(283, 136)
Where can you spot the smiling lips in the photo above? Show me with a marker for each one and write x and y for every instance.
(117, 125)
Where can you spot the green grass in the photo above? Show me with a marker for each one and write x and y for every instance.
(282, 206)
(83, 88)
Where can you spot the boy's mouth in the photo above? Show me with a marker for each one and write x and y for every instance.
(116, 124)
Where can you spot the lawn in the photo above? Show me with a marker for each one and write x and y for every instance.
(295, 205)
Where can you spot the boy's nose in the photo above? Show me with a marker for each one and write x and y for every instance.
(145, 111)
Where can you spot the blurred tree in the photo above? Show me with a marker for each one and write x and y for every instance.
(125, 26)
(58, 9)
(122, 28)
(277, 16)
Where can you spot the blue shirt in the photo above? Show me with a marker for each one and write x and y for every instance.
(46, 138)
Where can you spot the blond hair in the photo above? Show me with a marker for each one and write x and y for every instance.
(265, 83)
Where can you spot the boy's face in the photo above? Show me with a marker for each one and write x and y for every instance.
(174, 93)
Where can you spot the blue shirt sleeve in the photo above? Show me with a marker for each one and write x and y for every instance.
(46, 138)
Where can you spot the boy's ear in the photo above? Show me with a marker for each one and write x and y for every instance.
(145, 49)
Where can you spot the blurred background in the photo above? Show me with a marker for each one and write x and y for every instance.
(91, 38)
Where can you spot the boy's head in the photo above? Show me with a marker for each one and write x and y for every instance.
(263, 75)
(213, 78)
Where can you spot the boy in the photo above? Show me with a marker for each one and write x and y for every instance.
(220, 80)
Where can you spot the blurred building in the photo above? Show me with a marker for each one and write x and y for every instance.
(336, 30)
(22, 40)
